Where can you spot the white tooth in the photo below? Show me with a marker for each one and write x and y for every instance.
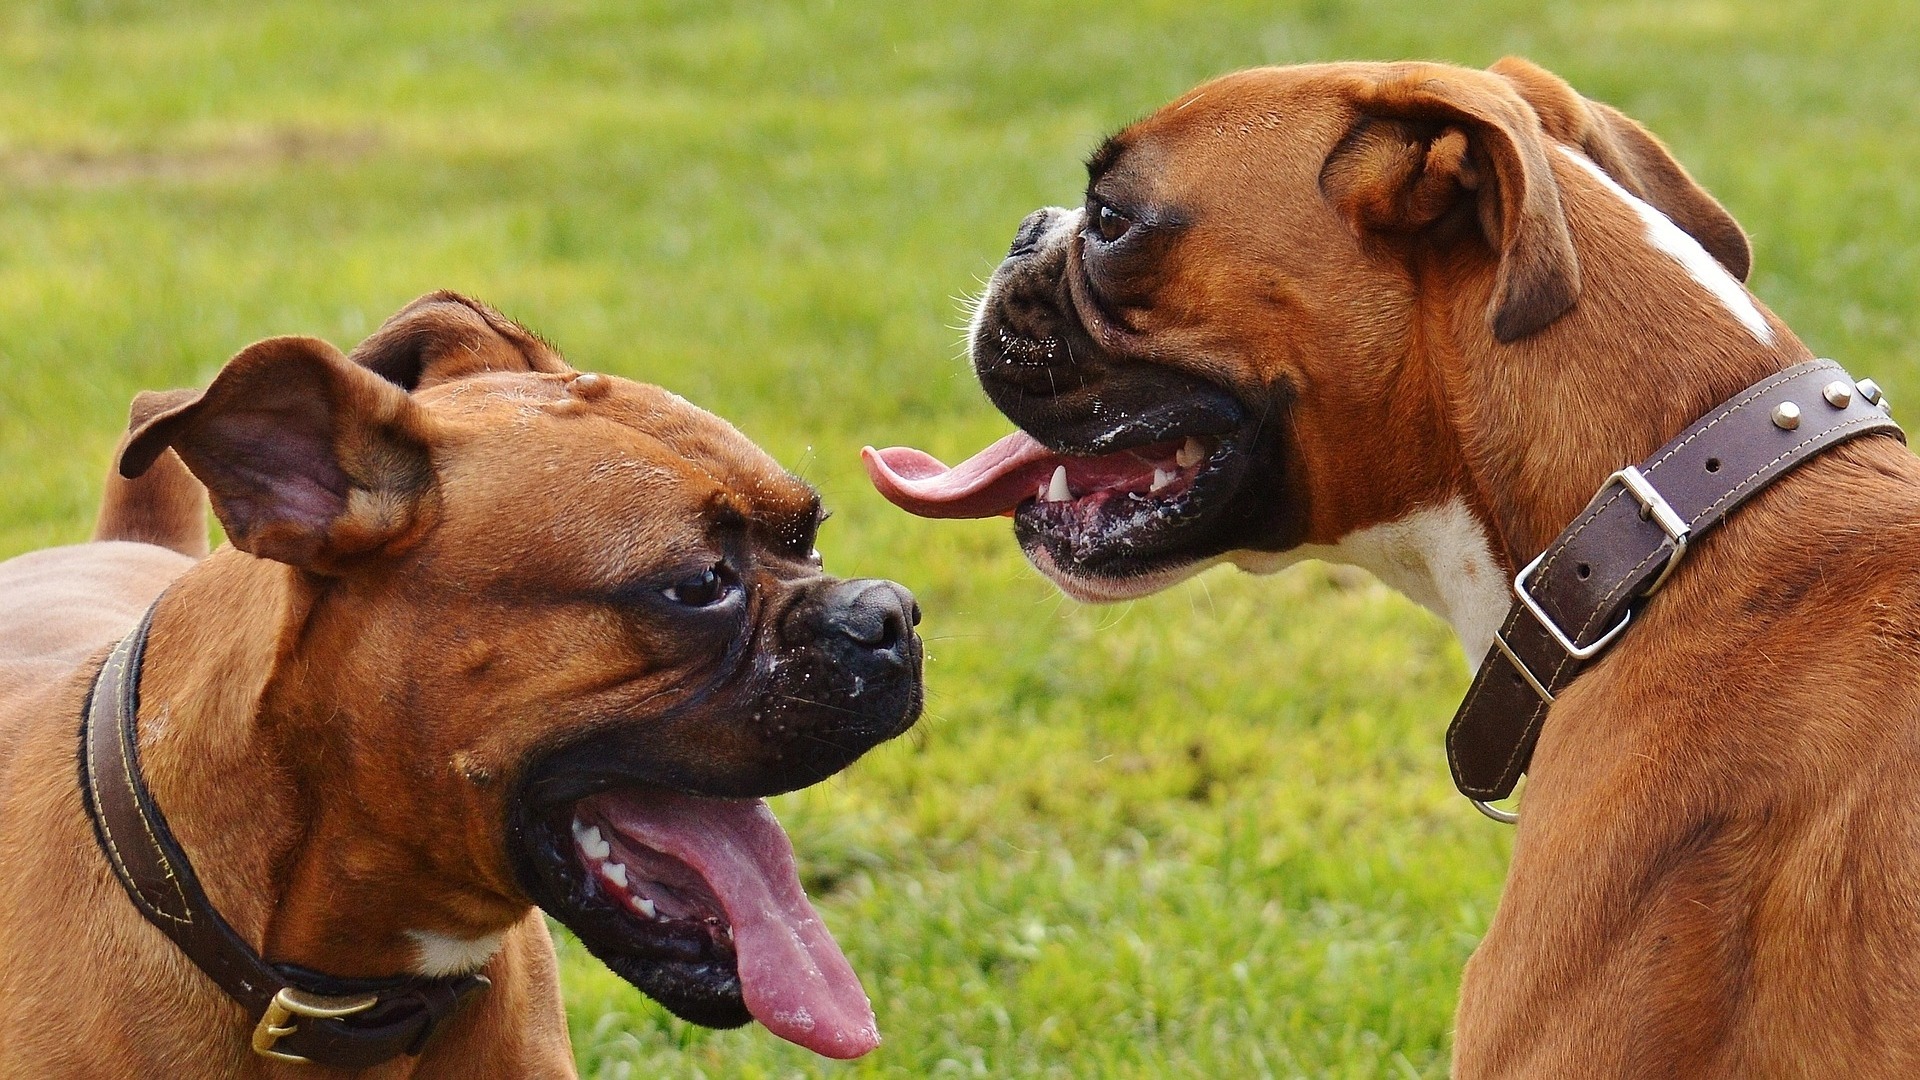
(579, 828)
(645, 905)
(1161, 478)
(594, 844)
(615, 873)
(1057, 488)
(1190, 453)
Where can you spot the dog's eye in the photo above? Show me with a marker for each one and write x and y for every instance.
(1110, 224)
(705, 589)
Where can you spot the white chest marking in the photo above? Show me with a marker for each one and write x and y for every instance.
(439, 955)
(1438, 557)
(1663, 234)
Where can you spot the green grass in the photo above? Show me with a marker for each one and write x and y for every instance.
(1204, 835)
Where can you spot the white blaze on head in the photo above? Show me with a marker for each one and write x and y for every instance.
(1663, 234)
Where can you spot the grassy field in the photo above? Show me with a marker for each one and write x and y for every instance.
(1206, 835)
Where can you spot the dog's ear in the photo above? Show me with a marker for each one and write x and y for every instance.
(444, 335)
(1634, 158)
(1427, 141)
(308, 458)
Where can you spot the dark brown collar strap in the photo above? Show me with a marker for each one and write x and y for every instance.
(1575, 598)
(302, 1016)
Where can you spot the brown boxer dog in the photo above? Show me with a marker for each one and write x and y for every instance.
(491, 633)
(1411, 316)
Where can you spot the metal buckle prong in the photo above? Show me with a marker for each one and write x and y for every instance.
(1652, 502)
(1656, 507)
(290, 1003)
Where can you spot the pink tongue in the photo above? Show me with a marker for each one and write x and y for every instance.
(993, 481)
(795, 979)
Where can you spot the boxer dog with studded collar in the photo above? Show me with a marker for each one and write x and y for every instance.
(1412, 316)
(491, 633)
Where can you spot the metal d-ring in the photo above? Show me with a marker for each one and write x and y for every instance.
(1504, 817)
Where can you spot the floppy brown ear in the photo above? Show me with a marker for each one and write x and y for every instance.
(1428, 140)
(307, 457)
(1634, 158)
(444, 335)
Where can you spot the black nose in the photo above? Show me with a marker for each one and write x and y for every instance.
(1031, 230)
(871, 616)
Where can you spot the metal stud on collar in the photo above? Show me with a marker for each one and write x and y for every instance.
(1838, 393)
(1489, 742)
(1786, 416)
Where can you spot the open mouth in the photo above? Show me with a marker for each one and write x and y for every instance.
(696, 901)
(1125, 512)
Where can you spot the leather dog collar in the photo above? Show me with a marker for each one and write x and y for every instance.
(1575, 598)
(304, 1016)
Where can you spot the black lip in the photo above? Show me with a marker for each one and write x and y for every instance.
(1241, 499)
(1118, 405)
(1128, 535)
(1145, 418)
(707, 746)
(1097, 404)
(1082, 382)
(682, 968)
(679, 750)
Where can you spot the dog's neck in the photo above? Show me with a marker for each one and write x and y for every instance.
(231, 751)
(1660, 335)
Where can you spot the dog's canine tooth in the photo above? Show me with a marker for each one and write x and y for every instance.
(646, 906)
(1057, 490)
(615, 873)
(1190, 453)
(1161, 478)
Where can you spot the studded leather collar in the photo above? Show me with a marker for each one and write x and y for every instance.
(1578, 596)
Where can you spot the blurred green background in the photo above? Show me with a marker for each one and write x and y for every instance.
(1205, 835)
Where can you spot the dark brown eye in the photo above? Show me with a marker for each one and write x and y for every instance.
(705, 589)
(1110, 224)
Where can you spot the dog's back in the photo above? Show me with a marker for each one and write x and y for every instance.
(60, 606)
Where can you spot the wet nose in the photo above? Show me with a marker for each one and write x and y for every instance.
(1027, 237)
(872, 616)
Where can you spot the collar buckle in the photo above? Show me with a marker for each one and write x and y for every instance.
(289, 1004)
(1711, 468)
(1652, 505)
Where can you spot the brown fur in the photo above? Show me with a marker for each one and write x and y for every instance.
(331, 735)
(1717, 868)
(165, 506)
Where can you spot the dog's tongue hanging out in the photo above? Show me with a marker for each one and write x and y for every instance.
(993, 481)
(794, 978)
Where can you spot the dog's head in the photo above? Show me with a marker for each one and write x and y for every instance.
(555, 635)
(1283, 295)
